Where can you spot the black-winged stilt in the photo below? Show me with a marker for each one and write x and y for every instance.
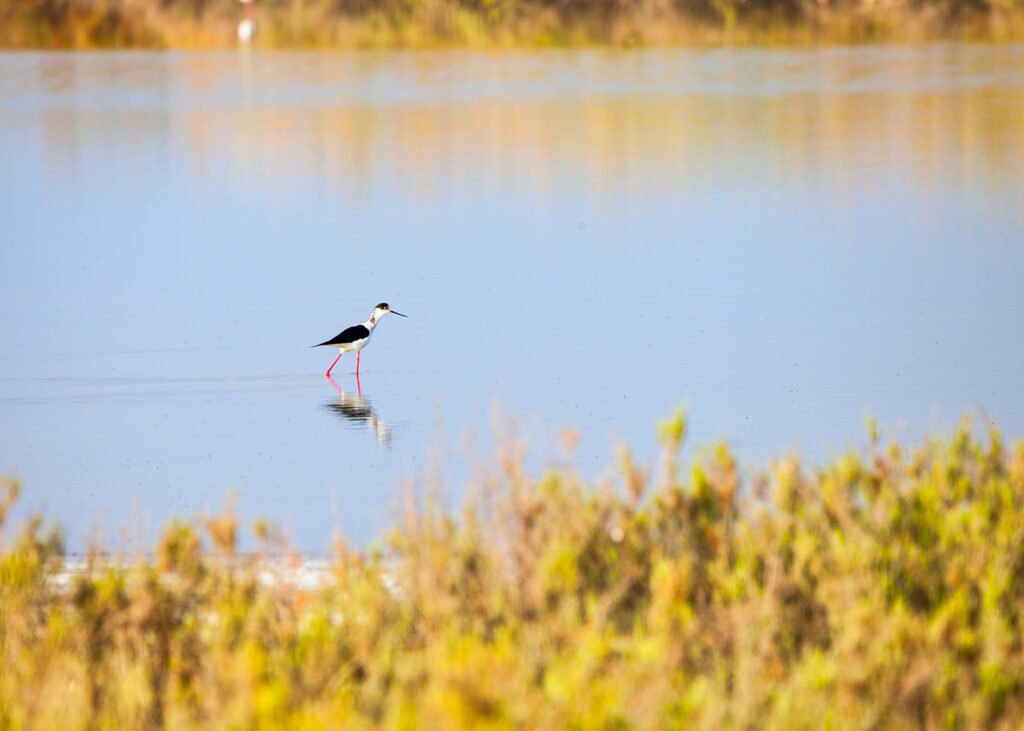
(356, 337)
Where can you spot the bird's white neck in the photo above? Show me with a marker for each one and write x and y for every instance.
(371, 323)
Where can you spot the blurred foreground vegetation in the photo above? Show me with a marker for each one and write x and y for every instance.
(885, 590)
(498, 23)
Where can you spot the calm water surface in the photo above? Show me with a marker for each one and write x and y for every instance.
(785, 241)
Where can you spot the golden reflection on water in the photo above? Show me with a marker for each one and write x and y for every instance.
(432, 125)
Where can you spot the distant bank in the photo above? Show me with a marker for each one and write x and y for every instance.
(89, 24)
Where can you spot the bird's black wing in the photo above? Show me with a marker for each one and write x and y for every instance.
(348, 335)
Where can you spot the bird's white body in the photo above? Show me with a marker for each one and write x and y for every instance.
(352, 347)
(246, 29)
(357, 344)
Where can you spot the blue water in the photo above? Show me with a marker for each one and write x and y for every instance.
(784, 241)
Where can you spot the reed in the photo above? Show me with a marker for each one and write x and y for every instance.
(498, 23)
(884, 590)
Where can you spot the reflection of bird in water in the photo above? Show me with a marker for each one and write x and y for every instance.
(356, 337)
(358, 410)
(247, 27)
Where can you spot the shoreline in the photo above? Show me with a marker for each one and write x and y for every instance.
(493, 25)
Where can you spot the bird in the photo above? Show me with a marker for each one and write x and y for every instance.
(356, 337)
(247, 26)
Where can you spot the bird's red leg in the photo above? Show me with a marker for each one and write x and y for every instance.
(358, 354)
(328, 373)
(359, 388)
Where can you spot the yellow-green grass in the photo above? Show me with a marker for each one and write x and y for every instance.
(498, 23)
(884, 590)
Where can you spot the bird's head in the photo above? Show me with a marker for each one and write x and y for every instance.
(382, 309)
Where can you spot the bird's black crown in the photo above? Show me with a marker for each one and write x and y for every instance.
(382, 306)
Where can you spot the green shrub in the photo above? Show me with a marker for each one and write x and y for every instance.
(885, 590)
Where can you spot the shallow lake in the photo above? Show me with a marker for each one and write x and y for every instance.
(783, 240)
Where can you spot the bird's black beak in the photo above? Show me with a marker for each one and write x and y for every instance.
(397, 313)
